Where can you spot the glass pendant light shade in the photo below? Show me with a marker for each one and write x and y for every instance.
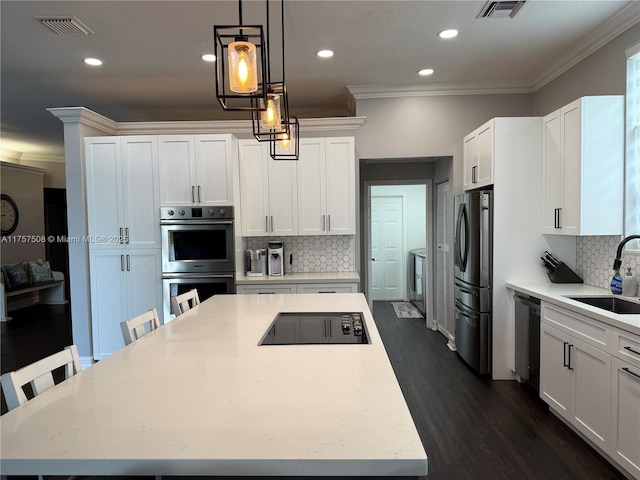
(287, 147)
(271, 117)
(243, 66)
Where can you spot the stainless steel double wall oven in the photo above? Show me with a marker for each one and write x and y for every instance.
(197, 252)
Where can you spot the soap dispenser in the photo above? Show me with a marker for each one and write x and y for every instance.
(616, 283)
(629, 284)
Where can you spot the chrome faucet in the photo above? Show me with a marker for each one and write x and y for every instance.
(618, 261)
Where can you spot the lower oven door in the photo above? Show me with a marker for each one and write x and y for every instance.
(207, 285)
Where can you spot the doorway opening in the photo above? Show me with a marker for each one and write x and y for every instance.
(398, 223)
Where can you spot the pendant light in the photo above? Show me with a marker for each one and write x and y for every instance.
(241, 69)
(286, 146)
(272, 122)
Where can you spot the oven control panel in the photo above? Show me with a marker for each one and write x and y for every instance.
(196, 213)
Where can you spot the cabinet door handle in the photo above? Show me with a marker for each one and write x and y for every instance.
(631, 350)
(630, 372)
(323, 222)
(564, 354)
(122, 263)
(329, 223)
(199, 200)
(272, 223)
(193, 194)
(266, 223)
(126, 235)
(570, 367)
(558, 225)
(474, 174)
(128, 263)
(121, 236)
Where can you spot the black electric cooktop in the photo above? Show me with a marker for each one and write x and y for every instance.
(314, 328)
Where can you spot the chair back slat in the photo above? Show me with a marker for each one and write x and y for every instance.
(139, 326)
(39, 375)
(184, 302)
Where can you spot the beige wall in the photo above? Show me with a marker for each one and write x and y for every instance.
(430, 126)
(54, 177)
(25, 186)
(601, 73)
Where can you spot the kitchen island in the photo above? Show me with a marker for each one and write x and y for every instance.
(199, 396)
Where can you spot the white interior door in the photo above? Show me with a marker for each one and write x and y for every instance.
(387, 257)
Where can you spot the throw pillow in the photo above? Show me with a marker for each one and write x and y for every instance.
(40, 273)
(15, 275)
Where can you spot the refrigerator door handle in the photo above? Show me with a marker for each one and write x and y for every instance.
(462, 220)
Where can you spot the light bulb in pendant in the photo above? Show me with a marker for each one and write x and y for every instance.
(242, 66)
(270, 118)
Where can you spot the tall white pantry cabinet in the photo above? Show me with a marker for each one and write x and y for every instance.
(123, 214)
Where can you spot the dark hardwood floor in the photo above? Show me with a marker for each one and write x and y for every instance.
(472, 428)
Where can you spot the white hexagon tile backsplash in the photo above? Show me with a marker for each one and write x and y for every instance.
(319, 254)
(595, 256)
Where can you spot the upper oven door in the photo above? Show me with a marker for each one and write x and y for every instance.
(198, 247)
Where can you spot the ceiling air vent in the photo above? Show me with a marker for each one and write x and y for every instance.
(507, 9)
(65, 25)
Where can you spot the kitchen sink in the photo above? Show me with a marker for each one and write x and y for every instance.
(611, 304)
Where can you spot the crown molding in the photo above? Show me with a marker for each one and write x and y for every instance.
(85, 117)
(615, 25)
(360, 92)
(236, 127)
(41, 157)
(22, 168)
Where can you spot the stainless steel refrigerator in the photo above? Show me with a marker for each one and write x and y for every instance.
(473, 277)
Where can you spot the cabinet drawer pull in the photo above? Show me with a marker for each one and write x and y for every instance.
(266, 293)
(570, 367)
(631, 350)
(328, 291)
(630, 372)
(564, 354)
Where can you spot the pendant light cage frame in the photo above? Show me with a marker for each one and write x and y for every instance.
(224, 36)
(276, 147)
(263, 134)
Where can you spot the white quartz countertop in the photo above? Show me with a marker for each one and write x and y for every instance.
(328, 277)
(557, 294)
(198, 396)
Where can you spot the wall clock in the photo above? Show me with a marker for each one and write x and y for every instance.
(9, 214)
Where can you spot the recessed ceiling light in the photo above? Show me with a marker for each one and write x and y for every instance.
(450, 33)
(325, 53)
(425, 72)
(94, 62)
(209, 57)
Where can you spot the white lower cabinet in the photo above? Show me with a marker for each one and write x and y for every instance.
(575, 377)
(589, 375)
(298, 288)
(625, 415)
(124, 283)
(265, 289)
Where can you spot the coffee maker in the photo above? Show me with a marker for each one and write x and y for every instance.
(275, 255)
(256, 262)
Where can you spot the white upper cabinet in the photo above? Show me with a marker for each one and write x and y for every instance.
(122, 192)
(479, 157)
(268, 192)
(326, 186)
(196, 170)
(583, 167)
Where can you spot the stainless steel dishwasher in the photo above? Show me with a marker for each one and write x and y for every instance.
(527, 331)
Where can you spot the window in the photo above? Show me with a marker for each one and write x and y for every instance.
(632, 169)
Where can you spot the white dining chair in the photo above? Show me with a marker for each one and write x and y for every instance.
(39, 375)
(184, 302)
(139, 326)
